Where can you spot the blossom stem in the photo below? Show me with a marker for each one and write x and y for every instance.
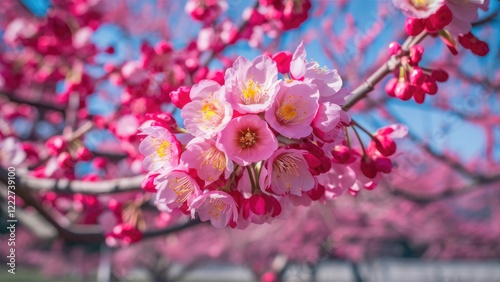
(252, 181)
(360, 142)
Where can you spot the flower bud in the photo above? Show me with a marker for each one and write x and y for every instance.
(390, 87)
(56, 145)
(414, 26)
(147, 183)
(440, 75)
(417, 76)
(441, 18)
(416, 53)
(64, 160)
(394, 48)
(180, 97)
(83, 154)
(403, 90)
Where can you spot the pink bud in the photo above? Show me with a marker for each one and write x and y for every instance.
(83, 154)
(180, 97)
(430, 85)
(403, 90)
(385, 145)
(283, 60)
(163, 47)
(55, 145)
(417, 76)
(368, 168)
(147, 183)
(64, 160)
(440, 75)
(341, 154)
(414, 26)
(416, 53)
(100, 162)
(418, 94)
(394, 48)
(257, 204)
(481, 48)
(383, 164)
(390, 87)
(316, 193)
(441, 18)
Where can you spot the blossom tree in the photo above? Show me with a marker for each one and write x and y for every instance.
(124, 130)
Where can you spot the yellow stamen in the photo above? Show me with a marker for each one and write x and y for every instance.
(287, 112)
(420, 3)
(250, 92)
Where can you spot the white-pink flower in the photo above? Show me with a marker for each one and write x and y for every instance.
(174, 189)
(287, 171)
(327, 81)
(464, 13)
(160, 147)
(217, 206)
(418, 8)
(294, 109)
(251, 86)
(208, 112)
(209, 162)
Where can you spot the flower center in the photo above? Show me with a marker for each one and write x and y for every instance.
(215, 158)
(163, 149)
(247, 138)
(217, 206)
(420, 3)
(251, 90)
(182, 187)
(287, 112)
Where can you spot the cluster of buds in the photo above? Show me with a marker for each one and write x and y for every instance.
(450, 19)
(255, 144)
(410, 79)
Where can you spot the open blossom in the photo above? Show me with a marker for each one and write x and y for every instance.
(175, 189)
(327, 81)
(287, 171)
(247, 139)
(294, 109)
(252, 86)
(217, 206)
(418, 8)
(160, 147)
(464, 13)
(329, 123)
(208, 112)
(209, 162)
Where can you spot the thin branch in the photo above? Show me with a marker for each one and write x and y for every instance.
(75, 186)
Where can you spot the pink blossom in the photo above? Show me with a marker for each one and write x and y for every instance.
(329, 122)
(327, 81)
(418, 8)
(252, 86)
(208, 112)
(287, 171)
(247, 139)
(209, 162)
(175, 189)
(217, 206)
(160, 147)
(293, 109)
(464, 13)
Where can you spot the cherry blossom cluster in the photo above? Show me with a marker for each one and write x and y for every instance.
(451, 19)
(410, 79)
(272, 135)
